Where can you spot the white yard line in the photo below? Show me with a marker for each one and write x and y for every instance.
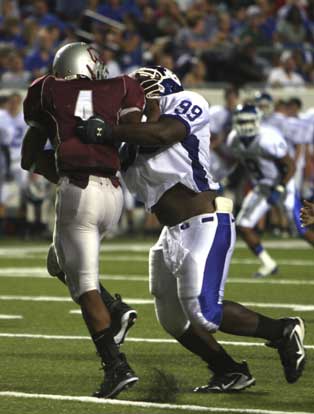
(128, 339)
(14, 251)
(301, 307)
(41, 273)
(145, 404)
(2, 316)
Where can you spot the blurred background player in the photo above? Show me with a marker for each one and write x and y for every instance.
(89, 197)
(6, 136)
(264, 152)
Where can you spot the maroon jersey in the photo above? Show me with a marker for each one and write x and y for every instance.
(57, 104)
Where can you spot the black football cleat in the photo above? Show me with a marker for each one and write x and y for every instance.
(234, 381)
(291, 349)
(123, 318)
(118, 377)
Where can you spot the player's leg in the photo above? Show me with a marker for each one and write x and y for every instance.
(77, 238)
(286, 334)
(253, 208)
(170, 313)
(201, 281)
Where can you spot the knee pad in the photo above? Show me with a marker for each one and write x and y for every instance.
(208, 319)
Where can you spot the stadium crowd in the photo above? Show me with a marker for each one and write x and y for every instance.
(236, 42)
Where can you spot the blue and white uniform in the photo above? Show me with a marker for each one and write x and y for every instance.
(19, 127)
(189, 264)
(295, 130)
(260, 156)
(6, 136)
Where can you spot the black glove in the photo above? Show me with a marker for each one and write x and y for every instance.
(94, 131)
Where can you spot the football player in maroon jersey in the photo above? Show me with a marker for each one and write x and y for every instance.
(89, 197)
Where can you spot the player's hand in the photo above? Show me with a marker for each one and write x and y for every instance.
(307, 214)
(277, 194)
(94, 131)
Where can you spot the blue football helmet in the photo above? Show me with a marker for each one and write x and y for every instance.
(246, 121)
(265, 103)
(157, 81)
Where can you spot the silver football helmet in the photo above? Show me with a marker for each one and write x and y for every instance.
(79, 59)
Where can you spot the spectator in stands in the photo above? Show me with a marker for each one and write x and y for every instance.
(8, 8)
(148, 29)
(70, 10)
(114, 9)
(197, 75)
(131, 46)
(43, 16)
(11, 32)
(109, 57)
(30, 33)
(252, 34)
(15, 76)
(291, 31)
(285, 75)
(169, 18)
(40, 59)
(4, 58)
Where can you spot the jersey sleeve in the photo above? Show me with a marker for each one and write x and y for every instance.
(33, 106)
(274, 144)
(134, 98)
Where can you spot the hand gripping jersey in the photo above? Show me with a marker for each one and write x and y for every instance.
(260, 155)
(58, 104)
(186, 162)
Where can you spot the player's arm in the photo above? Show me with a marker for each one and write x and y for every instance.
(35, 158)
(166, 131)
(286, 166)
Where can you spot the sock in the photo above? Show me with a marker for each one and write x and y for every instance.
(268, 328)
(106, 297)
(218, 361)
(265, 258)
(106, 347)
(258, 249)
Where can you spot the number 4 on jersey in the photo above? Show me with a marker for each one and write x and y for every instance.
(84, 105)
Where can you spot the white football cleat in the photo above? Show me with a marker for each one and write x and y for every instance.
(264, 270)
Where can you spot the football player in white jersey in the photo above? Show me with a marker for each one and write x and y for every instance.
(297, 131)
(264, 152)
(220, 125)
(6, 136)
(189, 264)
(19, 126)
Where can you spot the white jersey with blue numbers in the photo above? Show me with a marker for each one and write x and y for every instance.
(19, 127)
(186, 162)
(259, 155)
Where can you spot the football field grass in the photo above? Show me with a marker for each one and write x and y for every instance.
(49, 365)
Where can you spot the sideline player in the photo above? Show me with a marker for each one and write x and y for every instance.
(89, 197)
(264, 152)
(189, 264)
